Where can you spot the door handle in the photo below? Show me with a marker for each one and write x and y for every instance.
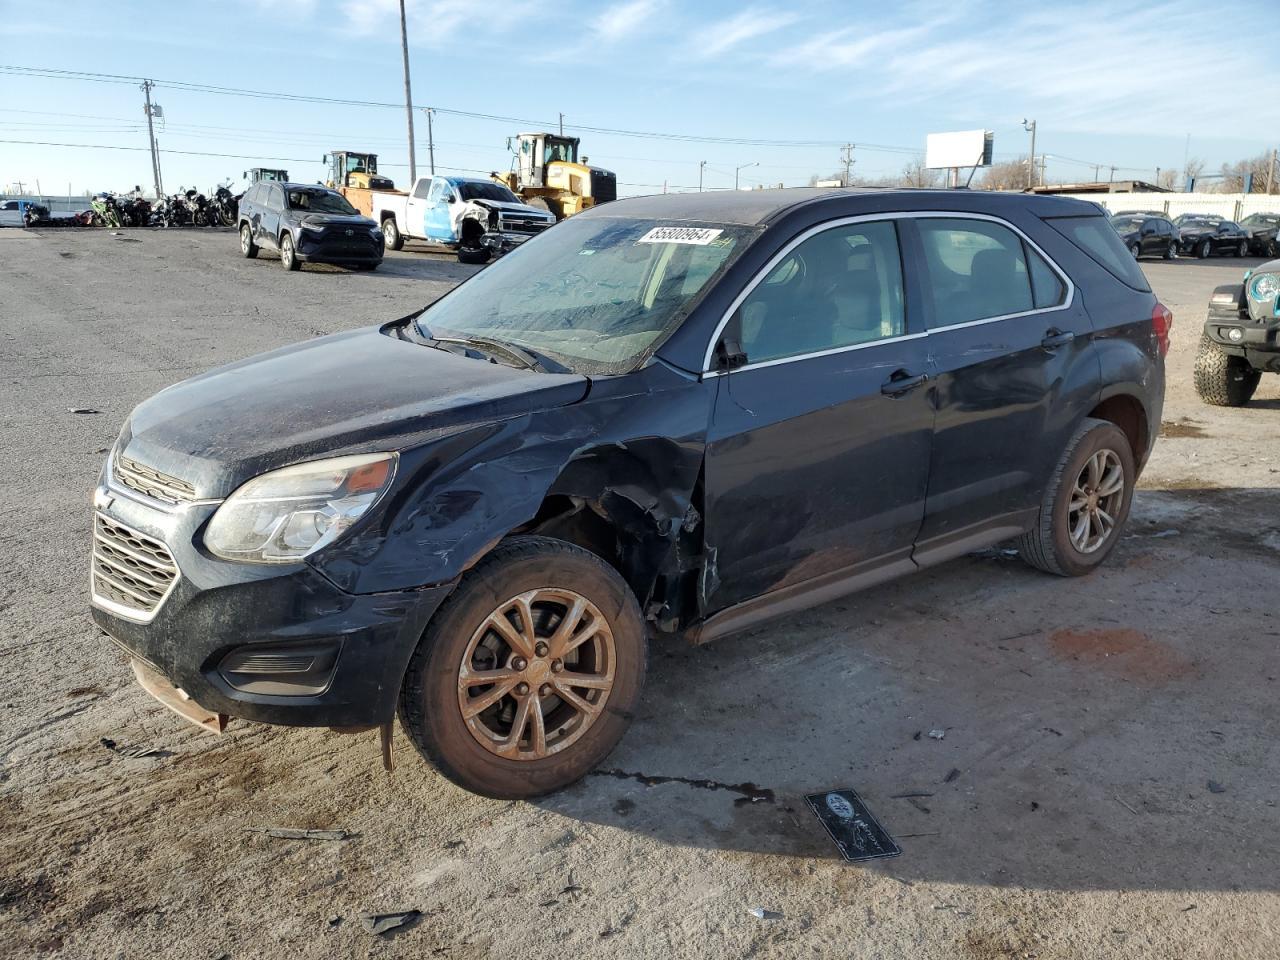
(1055, 338)
(902, 381)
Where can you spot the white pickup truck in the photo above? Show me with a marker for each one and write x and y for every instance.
(476, 217)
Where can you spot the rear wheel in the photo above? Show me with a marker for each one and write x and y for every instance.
(288, 255)
(248, 248)
(529, 673)
(1221, 379)
(1171, 250)
(1242, 249)
(1136, 250)
(1085, 504)
(1204, 249)
(391, 239)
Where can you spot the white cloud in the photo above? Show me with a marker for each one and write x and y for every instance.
(620, 22)
(431, 22)
(716, 38)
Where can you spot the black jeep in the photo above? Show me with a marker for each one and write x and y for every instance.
(1241, 338)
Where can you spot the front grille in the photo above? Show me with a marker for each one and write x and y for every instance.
(132, 572)
(152, 483)
(522, 225)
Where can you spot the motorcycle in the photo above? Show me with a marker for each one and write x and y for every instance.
(201, 212)
(171, 211)
(223, 208)
(135, 212)
(106, 211)
(34, 214)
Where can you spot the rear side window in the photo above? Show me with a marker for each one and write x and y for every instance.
(420, 191)
(1047, 288)
(1096, 237)
(977, 270)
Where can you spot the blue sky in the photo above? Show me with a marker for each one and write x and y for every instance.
(1109, 83)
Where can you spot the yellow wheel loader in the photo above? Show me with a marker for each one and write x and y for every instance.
(547, 174)
(355, 176)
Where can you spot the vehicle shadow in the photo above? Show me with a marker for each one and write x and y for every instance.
(1111, 732)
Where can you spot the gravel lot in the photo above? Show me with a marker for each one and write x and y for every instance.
(1106, 786)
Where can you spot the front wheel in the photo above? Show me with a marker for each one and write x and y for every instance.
(529, 673)
(1085, 504)
(1221, 379)
(1242, 249)
(1171, 251)
(248, 249)
(1136, 250)
(1203, 250)
(288, 255)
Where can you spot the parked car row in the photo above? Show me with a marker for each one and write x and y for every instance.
(1149, 233)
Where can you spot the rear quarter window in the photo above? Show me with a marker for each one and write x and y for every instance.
(1100, 242)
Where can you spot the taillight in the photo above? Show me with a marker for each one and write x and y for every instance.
(1161, 324)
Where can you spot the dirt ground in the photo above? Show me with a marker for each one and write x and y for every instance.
(1106, 787)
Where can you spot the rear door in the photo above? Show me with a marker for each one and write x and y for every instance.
(818, 448)
(415, 209)
(1010, 342)
(272, 211)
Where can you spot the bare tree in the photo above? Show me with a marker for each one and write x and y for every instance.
(1195, 168)
(916, 174)
(1234, 174)
(1010, 175)
(1168, 180)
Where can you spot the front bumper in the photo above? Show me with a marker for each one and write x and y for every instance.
(276, 644)
(504, 242)
(337, 247)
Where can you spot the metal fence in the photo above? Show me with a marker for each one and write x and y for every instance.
(1229, 206)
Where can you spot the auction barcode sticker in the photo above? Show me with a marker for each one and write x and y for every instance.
(700, 236)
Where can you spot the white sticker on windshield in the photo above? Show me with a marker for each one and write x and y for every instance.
(699, 236)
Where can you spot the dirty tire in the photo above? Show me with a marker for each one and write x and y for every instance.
(248, 249)
(429, 705)
(550, 206)
(391, 238)
(1047, 546)
(1221, 379)
(288, 256)
(1203, 250)
(473, 255)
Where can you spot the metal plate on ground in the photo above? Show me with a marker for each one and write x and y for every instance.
(856, 832)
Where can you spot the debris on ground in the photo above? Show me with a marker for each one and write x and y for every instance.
(937, 734)
(1216, 787)
(909, 796)
(951, 775)
(851, 825)
(133, 753)
(1165, 533)
(760, 913)
(295, 833)
(380, 923)
(1127, 806)
(85, 410)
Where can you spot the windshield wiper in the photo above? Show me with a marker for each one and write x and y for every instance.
(523, 356)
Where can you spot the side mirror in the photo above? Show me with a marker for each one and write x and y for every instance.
(450, 198)
(729, 354)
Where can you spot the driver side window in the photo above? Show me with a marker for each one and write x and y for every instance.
(839, 288)
(437, 191)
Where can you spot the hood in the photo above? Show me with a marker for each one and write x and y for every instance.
(356, 391)
(337, 220)
(1196, 231)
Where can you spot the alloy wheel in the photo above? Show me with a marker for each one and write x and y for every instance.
(536, 674)
(1096, 499)
(244, 240)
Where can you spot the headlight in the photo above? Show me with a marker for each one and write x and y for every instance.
(1265, 286)
(308, 225)
(288, 514)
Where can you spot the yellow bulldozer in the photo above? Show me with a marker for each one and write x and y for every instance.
(354, 175)
(546, 173)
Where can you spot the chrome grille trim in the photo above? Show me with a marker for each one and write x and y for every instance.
(132, 573)
(151, 482)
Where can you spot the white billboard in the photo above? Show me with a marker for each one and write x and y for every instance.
(962, 148)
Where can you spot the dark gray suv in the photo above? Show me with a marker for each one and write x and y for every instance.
(680, 415)
(307, 224)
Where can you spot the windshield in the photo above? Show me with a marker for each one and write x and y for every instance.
(1126, 224)
(1261, 220)
(486, 190)
(320, 201)
(1186, 218)
(593, 293)
(1198, 223)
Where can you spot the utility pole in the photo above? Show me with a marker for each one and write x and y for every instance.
(846, 157)
(408, 95)
(1157, 176)
(562, 124)
(1271, 170)
(701, 166)
(1096, 168)
(753, 163)
(431, 143)
(151, 137)
(1030, 126)
(1112, 178)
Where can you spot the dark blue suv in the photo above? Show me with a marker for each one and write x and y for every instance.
(681, 414)
(306, 224)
